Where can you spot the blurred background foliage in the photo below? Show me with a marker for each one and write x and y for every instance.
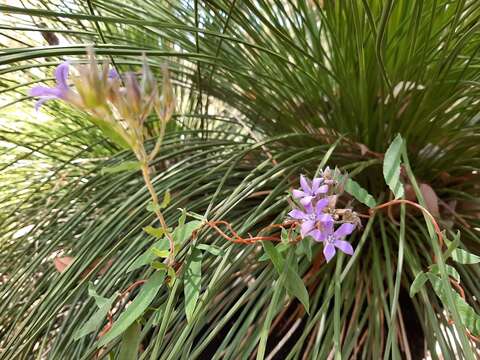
(264, 89)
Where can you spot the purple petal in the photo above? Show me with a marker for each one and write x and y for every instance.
(327, 222)
(321, 204)
(321, 190)
(61, 74)
(316, 183)
(308, 208)
(297, 214)
(344, 246)
(306, 201)
(304, 184)
(329, 252)
(298, 194)
(318, 235)
(113, 74)
(44, 91)
(306, 227)
(344, 230)
(40, 102)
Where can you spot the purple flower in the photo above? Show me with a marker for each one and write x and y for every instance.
(312, 218)
(61, 91)
(334, 240)
(309, 190)
(113, 74)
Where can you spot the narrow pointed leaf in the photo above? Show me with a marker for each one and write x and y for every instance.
(192, 282)
(359, 193)
(136, 308)
(418, 283)
(124, 166)
(465, 257)
(391, 167)
(99, 317)
(130, 345)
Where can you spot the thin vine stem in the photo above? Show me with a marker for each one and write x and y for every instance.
(156, 208)
(418, 206)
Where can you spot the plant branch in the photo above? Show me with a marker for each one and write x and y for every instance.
(156, 208)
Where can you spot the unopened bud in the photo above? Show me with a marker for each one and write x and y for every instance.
(166, 104)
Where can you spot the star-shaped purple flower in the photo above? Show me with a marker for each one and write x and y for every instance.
(61, 91)
(333, 240)
(309, 190)
(311, 217)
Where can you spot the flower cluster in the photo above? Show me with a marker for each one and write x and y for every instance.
(118, 104)
(318, 216)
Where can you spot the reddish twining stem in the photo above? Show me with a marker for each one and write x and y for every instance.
(414, 204)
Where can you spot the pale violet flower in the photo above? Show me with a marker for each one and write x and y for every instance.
(61, 91)
(317, 214)
(309, 190)
(335, 239)
(312, 217)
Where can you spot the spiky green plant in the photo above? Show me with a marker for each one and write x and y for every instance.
(266, 90)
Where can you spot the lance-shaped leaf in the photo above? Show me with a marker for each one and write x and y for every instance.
(418, 283)
(136, 308)
(192, 282)
(359, 193)
(464, 257)
(130, 342)
(391, 167)
(148, 256)
(469, 318)
(124, 166)
(104, 305)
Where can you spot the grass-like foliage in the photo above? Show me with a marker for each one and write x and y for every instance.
(385, 91)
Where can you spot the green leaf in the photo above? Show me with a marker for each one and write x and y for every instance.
(165, 202)
(164, 267)
(159, 314)
(280, 248)
(451, 271)
(130, 342)
(296, 287)
(469, 318)
(136, 308)
(152, 207)
(274, 255)
(304, 247)
(359, 193)
(184, 232)
(212, 249)
(110, 132)
(97, 319)
(194, 215)
(418, 283)
(160, 253)
(167, 197)
(464, 257)
(156, 232)
(148, 256)
(391, 167)
(452, 245)
(307, 247)
(124, 166)
(182, 218)
(192, 282)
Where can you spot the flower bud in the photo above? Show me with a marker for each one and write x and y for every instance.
(166, 103)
